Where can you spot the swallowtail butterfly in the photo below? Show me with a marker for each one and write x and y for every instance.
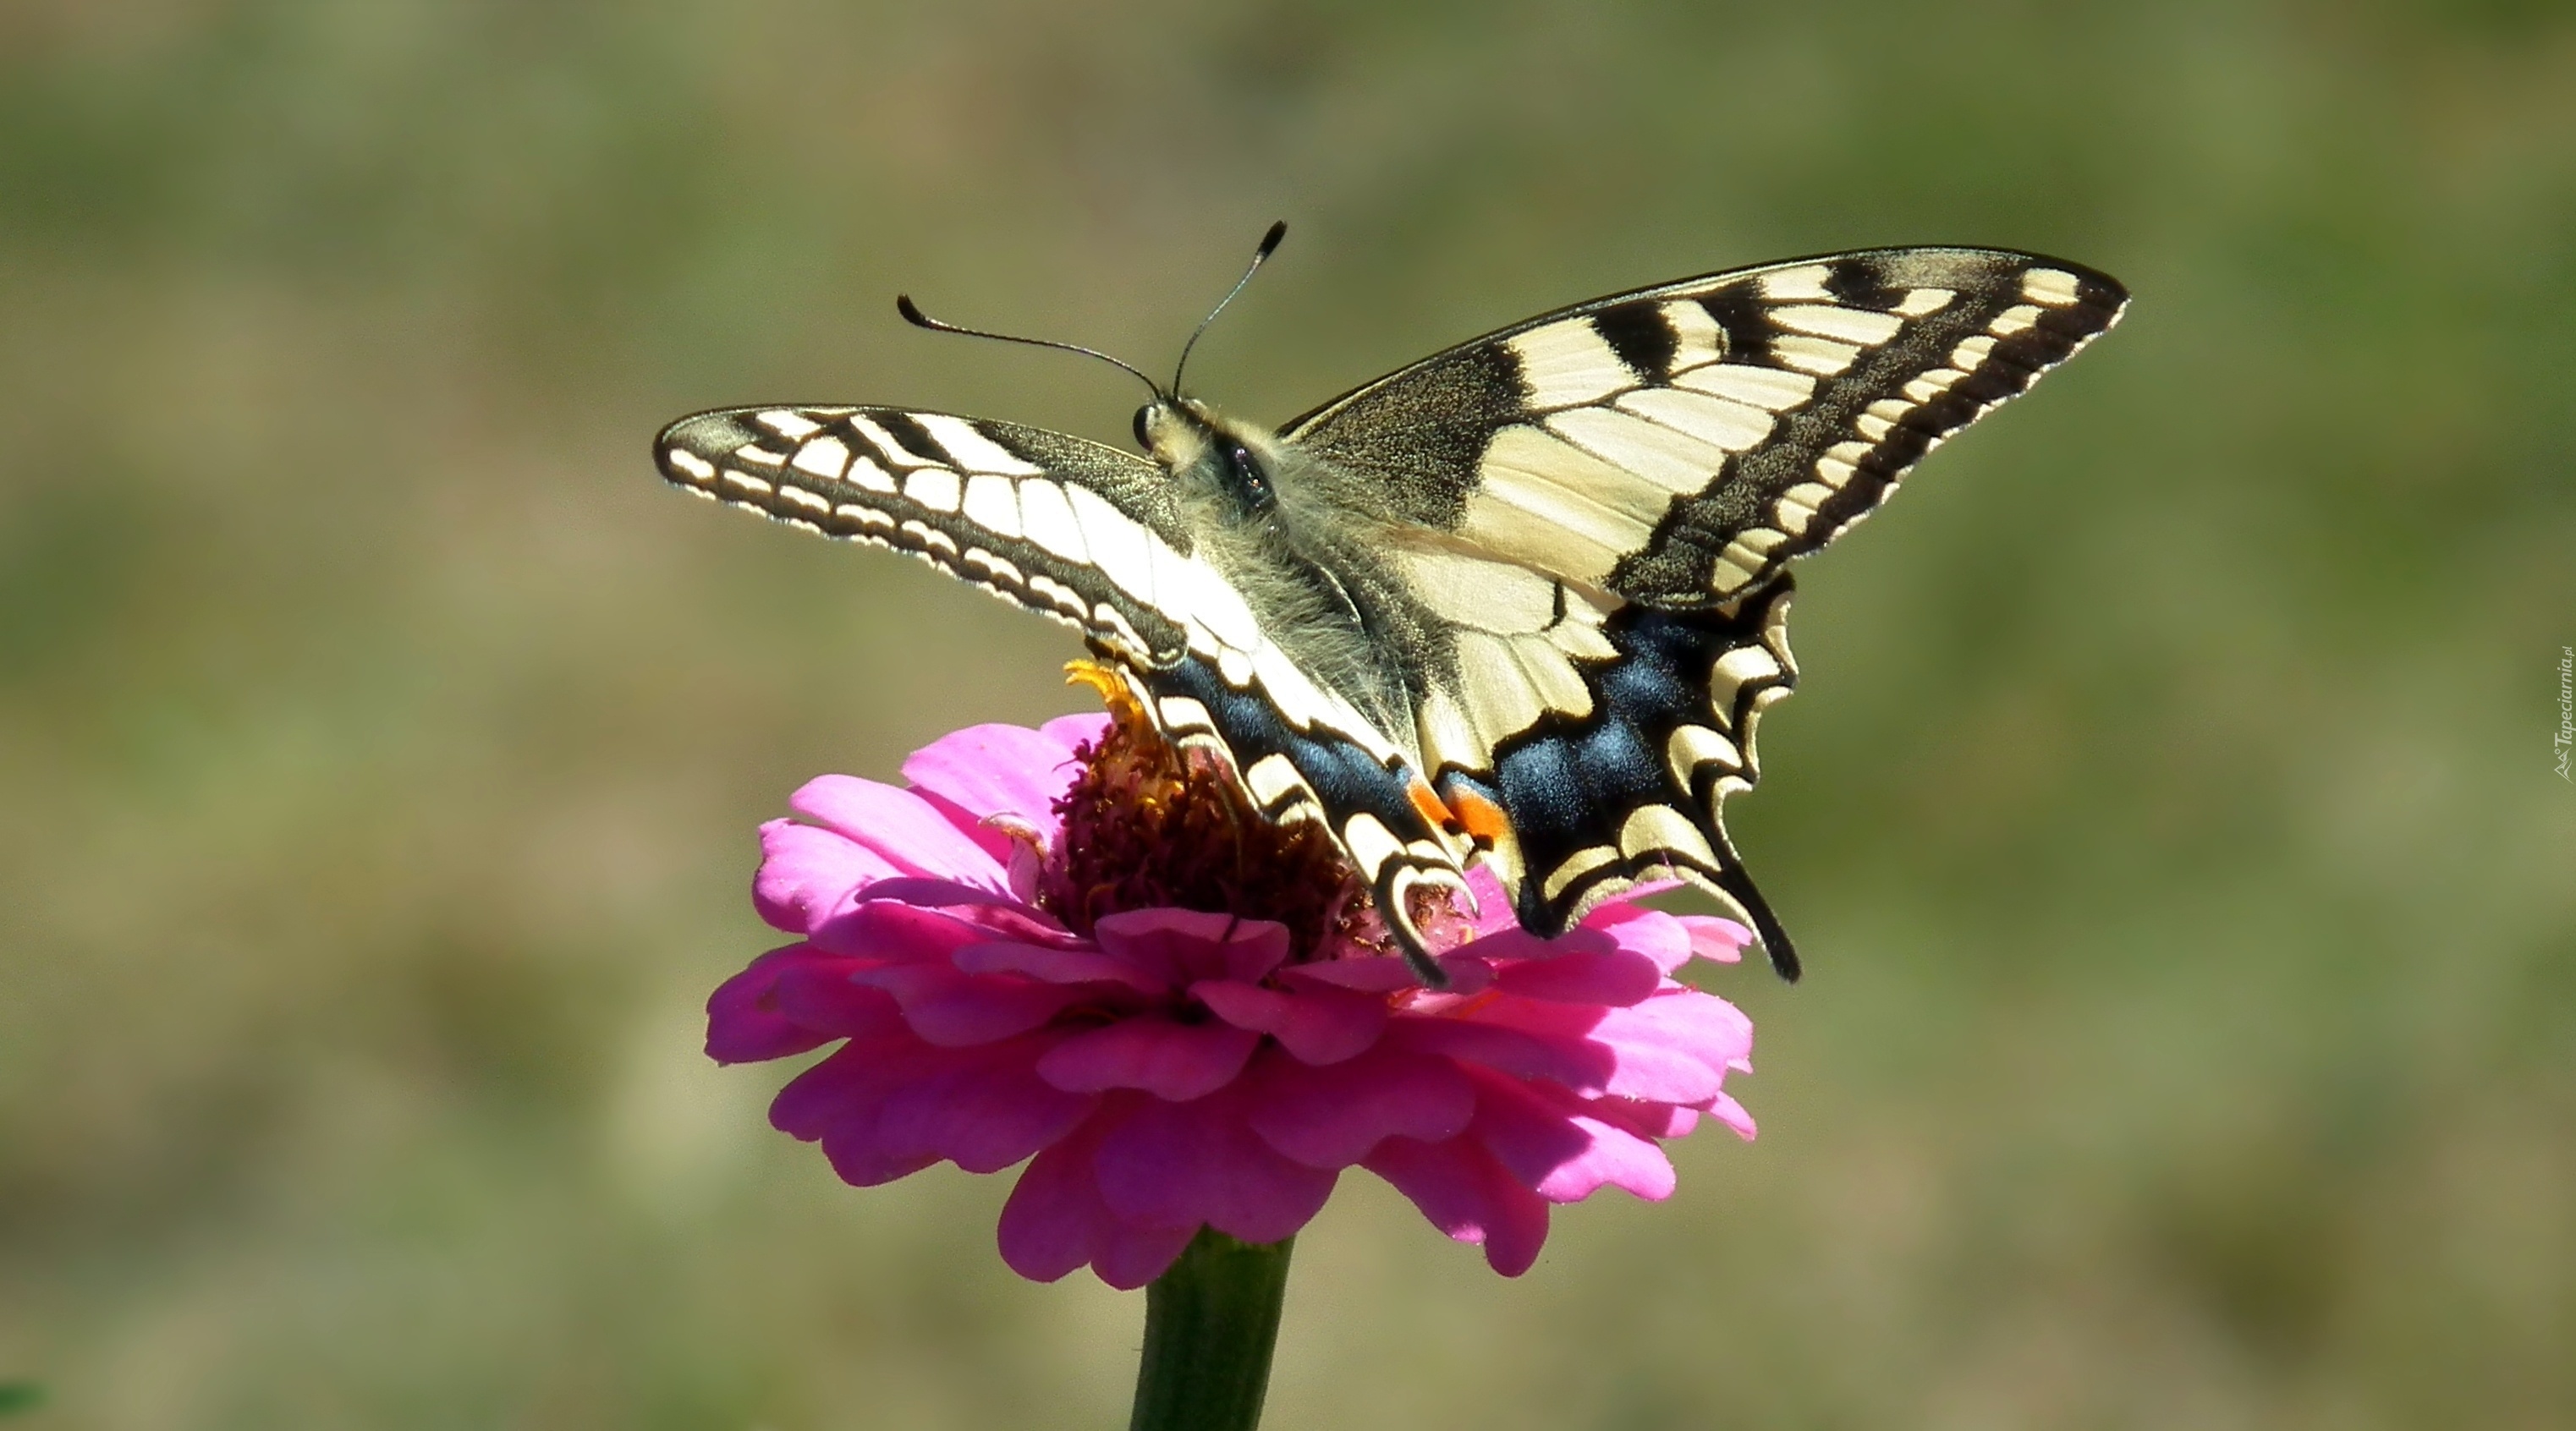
(1521, 602)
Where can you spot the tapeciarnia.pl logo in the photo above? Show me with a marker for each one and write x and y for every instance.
(2566, 708)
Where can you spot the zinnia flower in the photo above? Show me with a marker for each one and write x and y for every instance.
(1071, 947)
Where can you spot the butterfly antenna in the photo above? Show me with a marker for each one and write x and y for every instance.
(1269, 245)
(913, 315)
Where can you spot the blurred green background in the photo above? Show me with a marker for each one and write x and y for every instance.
(2167, 814)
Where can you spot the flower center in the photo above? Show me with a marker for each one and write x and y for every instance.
(1146, 827)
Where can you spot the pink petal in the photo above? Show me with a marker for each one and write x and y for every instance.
(1571, 1061)
(908, 831)
(1331, 1117)
(894, 933)
(1643, 1118)
(885, 1108)
(1731, 1113)
(1700, 1026)
(1493, 903)
(1469, 974)
(1606, 977)
(1652, 933)
(1076, 731)
(1181, 1164)
(1723, 940)
(991, 915)
(1375, 974)
(1152, 1052)
(1055, 1220)
(1519, 943)
(987, 770)
(1055, 966)
(1318, 1025)
(1468, 1195)
(1557, 1149)
(1388, 974)
(1616, 1158)
(745, 1023)
(954, 1010)
(807, 874)
(1130, 1257)
(984, 1114)
(853, 1077)
(1181, 946)
(924, 893)
(1661, 1049)
(818, 993)
(835, 1102)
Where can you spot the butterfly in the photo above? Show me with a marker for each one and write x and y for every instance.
(1522, 602)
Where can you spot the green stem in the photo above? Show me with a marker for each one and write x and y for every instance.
(1210, 1323)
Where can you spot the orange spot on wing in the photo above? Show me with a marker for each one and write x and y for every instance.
(1426, 803)
(1481, 818)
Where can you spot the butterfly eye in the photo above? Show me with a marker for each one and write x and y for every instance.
(1144, 424)
(1249, 479)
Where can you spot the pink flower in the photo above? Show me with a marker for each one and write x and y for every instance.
(1002, 993)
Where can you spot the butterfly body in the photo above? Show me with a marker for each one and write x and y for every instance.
(1522, 602)
(1288, 533)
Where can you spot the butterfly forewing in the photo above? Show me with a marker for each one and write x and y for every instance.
(1067, 528)
(1678, 444)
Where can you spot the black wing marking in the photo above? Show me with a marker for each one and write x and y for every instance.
(1679, 444)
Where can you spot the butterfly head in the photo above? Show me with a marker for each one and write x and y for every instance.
(1234, 462)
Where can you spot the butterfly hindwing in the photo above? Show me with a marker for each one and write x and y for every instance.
(1633, 788)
